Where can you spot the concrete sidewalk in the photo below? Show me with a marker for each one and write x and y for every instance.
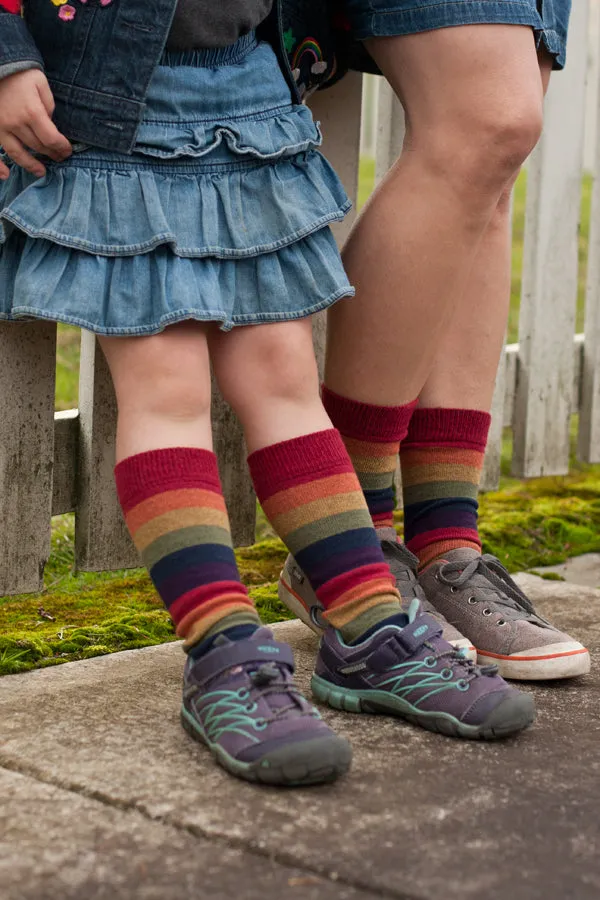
(104, 797)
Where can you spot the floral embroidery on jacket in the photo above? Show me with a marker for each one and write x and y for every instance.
(67, 11)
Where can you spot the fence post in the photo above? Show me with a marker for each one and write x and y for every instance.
(338, 109)
(589, 421)
(102, 541)
(490, 477)
(390, 129)
(28, 354)
(230, 449)
(550, 261)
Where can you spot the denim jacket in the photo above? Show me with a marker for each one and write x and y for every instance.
(99, 56)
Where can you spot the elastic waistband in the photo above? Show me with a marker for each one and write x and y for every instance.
(212, 57)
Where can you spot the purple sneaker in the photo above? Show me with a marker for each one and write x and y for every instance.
(407, 669)
(241, 701)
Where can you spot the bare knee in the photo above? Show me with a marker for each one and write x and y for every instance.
(275, 366)
(161, 379)
(176, 395)
(479, 151)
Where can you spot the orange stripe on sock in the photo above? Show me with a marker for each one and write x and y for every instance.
(300, 494)
(454, 455)
(210, 612)
(370, 448)
(429, 474)
(175, 520)
(377, 586)
(343, 615)
(168, 501)
(434, 551)
(375, 465)
(288, 522)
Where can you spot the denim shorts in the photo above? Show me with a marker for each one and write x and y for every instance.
(384, 18)
(221, 213)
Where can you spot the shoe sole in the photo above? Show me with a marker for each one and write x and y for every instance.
(296, 605)
(317, 761)
(512, 715)
(538, 665)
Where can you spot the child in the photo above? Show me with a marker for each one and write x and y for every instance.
(182, 194)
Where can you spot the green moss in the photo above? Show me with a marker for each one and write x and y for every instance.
(67, 367)
(262, 562)
(97, 613)
(531, 524)
(549, 576)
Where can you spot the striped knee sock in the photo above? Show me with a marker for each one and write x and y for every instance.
(311, 495)
(372, 435)
(442, 459)
(175, 511)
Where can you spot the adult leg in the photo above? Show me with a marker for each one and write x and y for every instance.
(463, 372)
(473, 102)
(443, 454)
(442, 459)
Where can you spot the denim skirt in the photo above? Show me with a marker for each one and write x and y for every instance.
(549, 19)
(221, 212)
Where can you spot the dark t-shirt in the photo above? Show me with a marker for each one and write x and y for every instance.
(214, 23)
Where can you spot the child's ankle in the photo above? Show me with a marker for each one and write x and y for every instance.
(234, 632)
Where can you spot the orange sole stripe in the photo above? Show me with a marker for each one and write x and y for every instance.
(532, 658)
(291, 591)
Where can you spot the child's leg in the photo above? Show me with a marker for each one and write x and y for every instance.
(375, 658)
(168, 481)
(302, 472)
(239, 694)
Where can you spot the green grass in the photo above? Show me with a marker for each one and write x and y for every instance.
(67, 367)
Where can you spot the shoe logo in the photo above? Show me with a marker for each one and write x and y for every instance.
(420, 631)
(298, 575)
(349, 670)
(269, 649)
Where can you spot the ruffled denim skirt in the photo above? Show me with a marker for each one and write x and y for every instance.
(221, 213)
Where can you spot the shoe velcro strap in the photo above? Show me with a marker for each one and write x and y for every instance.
(423, 629)
(238, 653)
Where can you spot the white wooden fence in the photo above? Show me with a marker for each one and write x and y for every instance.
(56, 463)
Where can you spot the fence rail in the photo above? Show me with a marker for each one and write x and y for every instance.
(53, 463)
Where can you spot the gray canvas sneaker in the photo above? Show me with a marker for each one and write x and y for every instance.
(477, 595)
(297, 594)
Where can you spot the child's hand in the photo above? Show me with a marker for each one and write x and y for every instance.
(26, 107)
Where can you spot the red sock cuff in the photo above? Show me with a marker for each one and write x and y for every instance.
(365, 421)
(467, 428)
(298, 461)
(146, 474)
